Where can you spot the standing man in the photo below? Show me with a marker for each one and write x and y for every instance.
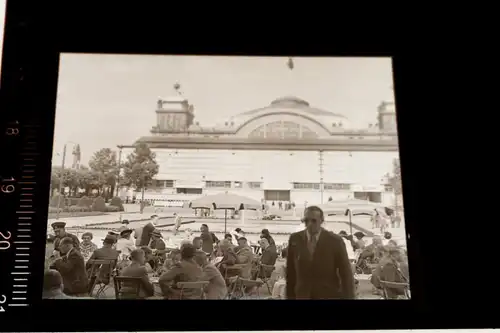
(208, 239)
(60, 232)
(317, 262)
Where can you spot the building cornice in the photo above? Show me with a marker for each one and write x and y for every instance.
(386, 144)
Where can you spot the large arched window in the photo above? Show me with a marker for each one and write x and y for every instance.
(282, 130)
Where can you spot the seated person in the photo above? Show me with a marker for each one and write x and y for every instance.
(216, 288)
(373, 252)
(391, 268)
(269, 256)
(187, 270)
(245, 257)
(137, 269)
(69, 262)
(106, 252)
(53, 286)
(150, 262)
(173, 259)
(158, 245)
(229, 258)
(279, 288)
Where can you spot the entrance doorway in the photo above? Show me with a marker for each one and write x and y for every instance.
(277, 195)
(369, 196)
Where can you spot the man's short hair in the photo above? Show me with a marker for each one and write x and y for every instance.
(187, 251)
(228, 236)
(315, 209)
(197, 238)
(242, 239)
(52, 279)
(66, 241)
(204, 225)
(136, 253)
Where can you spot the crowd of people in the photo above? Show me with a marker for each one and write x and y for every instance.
(140, 264)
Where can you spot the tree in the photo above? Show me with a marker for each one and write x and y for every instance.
(140, 168)
(104, 163)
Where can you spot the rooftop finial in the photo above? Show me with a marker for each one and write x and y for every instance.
(177, 88)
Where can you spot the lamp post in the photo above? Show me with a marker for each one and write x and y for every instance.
(61, 177)
(321, 180)
(119, 169)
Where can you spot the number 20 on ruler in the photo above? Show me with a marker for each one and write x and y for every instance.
(6, 188)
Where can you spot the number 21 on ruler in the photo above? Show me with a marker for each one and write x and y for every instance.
(3, 299)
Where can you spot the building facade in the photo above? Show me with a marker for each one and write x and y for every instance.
(287, 151)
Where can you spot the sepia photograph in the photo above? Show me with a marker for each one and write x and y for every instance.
(225, 177)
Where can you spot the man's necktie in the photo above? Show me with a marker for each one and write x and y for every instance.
(312, 244)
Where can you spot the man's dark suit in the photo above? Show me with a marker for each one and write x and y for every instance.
(72, 269)
(137, 271)
(327, 275)
(104, 253)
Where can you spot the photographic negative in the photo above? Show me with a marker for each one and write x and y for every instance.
(210, 177)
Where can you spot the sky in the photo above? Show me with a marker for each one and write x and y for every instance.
(107, 100)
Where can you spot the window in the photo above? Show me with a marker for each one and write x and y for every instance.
(306, 186)
(238, 185)
(388, 188)
(255, 185)
(169, 183)
(335, 186)
(218, 184)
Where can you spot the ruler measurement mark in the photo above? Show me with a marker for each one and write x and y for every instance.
(24, 223)
(22, 248)
(30, 154)
(22, 254)
(22, 260)
(23, 230)
(24, 236)
(20, 279)
(18, 298)
(28, 171)
(27, 194)
(27, 188)
(21, 267)
(20, 285)
(23, 242)
(19, 292)
(26, 182)
(25, 212)
(25, 206)
(16, 304)
(20, 273)
(29, 159)
(26, 200)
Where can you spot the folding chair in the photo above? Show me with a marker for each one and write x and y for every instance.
(198, 285)
(402, 289)
(264, 271)
(242, 287)
(95, 278)
(134, 282)
(231, 281)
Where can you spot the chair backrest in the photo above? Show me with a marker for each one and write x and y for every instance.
(135, 282)
(404, 287)
(193, 286)
(97, 264)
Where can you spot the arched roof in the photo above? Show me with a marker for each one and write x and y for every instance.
(292, 110)
(291, 102)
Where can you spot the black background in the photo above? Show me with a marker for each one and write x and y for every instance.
(452, 246)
